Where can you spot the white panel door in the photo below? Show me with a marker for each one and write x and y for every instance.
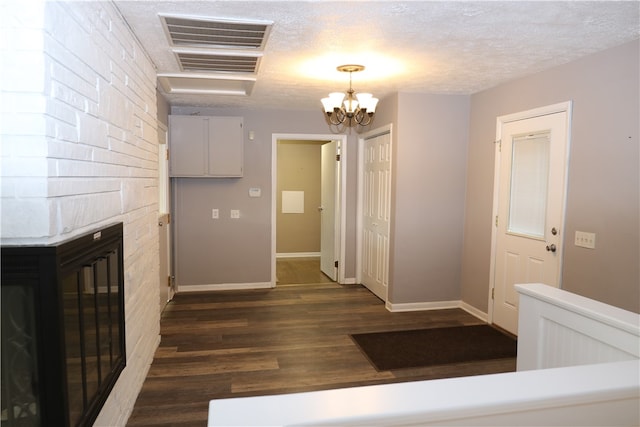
(530, 212)
(328, 209)
(376, 211)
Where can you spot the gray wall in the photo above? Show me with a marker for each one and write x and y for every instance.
(430, 146)
(603, 187)
(239, 251)
(443, 185)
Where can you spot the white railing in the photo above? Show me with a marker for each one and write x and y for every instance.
(603, 390)
(557, 328)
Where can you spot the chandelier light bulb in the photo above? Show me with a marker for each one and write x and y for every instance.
(336, 98)
(373, 103)
(327, 104)
(367, 102)
(350, 105)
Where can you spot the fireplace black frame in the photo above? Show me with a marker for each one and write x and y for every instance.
(65, 303)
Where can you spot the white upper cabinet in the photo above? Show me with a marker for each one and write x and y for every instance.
(203, 146)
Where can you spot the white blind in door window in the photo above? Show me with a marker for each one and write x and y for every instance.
(529, 181)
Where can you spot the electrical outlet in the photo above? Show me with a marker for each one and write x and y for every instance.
(585, 240)
(235, 214)
(215, 214)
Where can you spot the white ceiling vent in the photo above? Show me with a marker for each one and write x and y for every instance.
(206, 84)
(216, 33)
(216, 56)
(211, 62)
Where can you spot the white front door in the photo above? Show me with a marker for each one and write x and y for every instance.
(329, 203)
(531, 163)
(376, 211)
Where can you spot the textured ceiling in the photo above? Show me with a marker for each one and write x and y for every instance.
(450, 47)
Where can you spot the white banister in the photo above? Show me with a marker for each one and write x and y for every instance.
(557, 328)
(595, 395)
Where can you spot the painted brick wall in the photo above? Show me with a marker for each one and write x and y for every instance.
(79, 151)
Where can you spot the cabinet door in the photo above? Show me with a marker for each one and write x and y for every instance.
(225, 146)
(188, 146)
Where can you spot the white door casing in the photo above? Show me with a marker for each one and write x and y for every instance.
(164, 218)
(375, 212)
(330, 201)
(529, 201)
(166, 282)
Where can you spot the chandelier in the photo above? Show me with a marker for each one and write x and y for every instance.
(352, 110)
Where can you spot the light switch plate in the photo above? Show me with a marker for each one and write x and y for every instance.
(215, 213)
(585, 240)
(235, 214)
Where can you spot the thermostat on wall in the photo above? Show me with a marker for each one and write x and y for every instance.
(255, 192)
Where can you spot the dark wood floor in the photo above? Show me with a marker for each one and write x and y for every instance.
(292, 338)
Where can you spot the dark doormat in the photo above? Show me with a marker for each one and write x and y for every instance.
(438, 346)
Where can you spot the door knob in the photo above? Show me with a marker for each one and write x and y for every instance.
(551, 247)
(320, 208)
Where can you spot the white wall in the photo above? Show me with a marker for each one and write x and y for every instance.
(79, 151)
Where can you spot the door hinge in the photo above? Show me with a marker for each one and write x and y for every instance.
(499, 142)
(336, 264)
(337, 157)
(168, 218)
(493, 293)
(168, 281)
(167, 156)
(496, 220)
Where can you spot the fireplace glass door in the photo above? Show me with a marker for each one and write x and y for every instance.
(63, 342)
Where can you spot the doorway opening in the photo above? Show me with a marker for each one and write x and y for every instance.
(307, 216)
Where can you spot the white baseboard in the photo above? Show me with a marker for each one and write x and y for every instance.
(420, 306)
(438, 305)
(224, 287)
(298, 255)
(349, 281)
(474, 312)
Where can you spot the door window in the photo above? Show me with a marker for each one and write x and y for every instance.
(529, 184)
